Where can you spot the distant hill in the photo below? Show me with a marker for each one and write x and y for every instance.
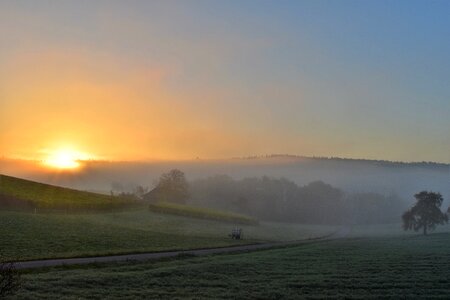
(423, 164)
(355, 175)
(350, 175)
(26, 194)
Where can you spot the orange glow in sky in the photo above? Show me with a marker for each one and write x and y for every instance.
(173, 81)
(65, 159)
(113, 112)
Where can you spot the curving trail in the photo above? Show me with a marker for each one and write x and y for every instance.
(168, 254)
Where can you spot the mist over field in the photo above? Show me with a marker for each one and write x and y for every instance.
(227, 149)
(364, 191)
(349, 174)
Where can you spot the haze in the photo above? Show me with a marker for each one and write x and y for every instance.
(140, 80)
(227, 149)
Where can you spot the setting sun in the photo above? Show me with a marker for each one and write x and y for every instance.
(65, 159)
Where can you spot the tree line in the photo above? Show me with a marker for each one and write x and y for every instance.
(279, 199)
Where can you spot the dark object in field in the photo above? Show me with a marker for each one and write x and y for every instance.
(426, 213)
(236, 234)
(9, 279)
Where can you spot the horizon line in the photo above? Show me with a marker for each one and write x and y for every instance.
(248, 157)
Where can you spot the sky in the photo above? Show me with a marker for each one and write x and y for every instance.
(141, 80)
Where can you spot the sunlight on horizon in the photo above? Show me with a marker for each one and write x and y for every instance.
(65, 159)
(147, 81)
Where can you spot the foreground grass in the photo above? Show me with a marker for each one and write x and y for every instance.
(370, 268)
(25, 236)
(201, 213)
(45, 196)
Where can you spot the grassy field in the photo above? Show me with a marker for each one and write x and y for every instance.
(44, 196)
(25, 236)
(201, 213)
(404, 267)
(388, 230)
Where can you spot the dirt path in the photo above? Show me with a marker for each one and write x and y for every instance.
(158, 255)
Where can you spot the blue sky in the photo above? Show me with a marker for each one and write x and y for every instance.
(363, 79)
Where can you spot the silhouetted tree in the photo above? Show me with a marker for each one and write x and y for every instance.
(173, 187)
(140, 191)
(9, 279)
(426, 213)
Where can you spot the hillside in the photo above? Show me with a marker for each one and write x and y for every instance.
(201, 213)
(21, 193)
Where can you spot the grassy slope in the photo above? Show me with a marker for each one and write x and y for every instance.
(53, 197)
(31, 236)
(201, 213)
(26, 236)
(368, 268)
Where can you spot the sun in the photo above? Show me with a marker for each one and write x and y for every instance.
(65, 159)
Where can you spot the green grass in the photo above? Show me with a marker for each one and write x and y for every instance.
(406, 267)
(45, 196)
(25, 236)
(201, 213)
(386, 230)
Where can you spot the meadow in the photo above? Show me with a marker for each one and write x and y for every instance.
(410, 266)
(201, 213)
(26, 236)
(40, 196)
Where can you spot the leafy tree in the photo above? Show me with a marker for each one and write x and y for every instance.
(9, 279)
(173, 187)
(426, 213)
